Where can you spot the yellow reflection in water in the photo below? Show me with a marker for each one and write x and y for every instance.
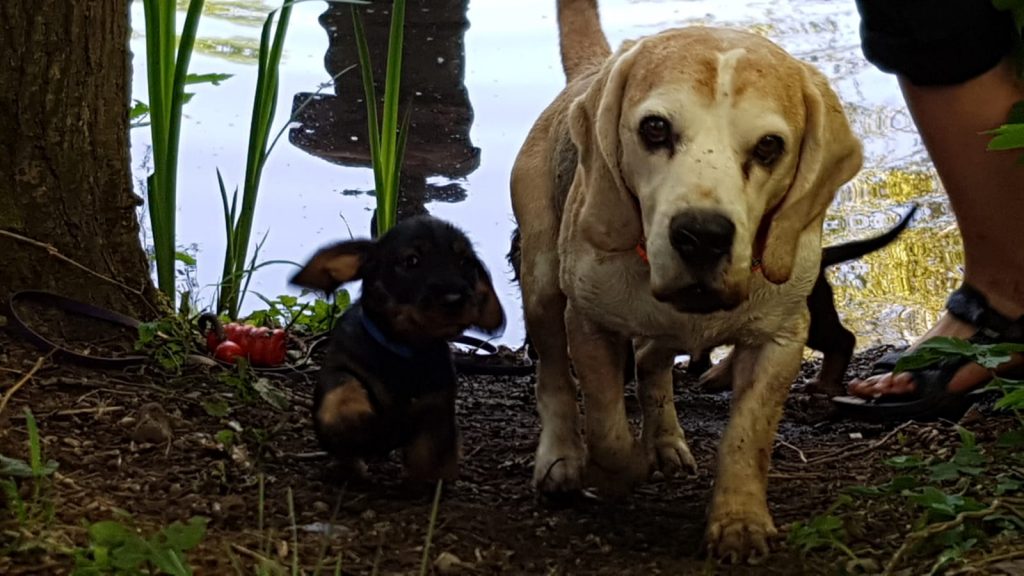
(894, 295)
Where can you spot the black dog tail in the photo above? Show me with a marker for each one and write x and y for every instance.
(852, 250)
(514, 255)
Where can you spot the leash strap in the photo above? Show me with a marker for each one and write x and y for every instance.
(82, 309)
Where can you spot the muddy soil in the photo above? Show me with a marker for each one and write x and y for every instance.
(148, 448)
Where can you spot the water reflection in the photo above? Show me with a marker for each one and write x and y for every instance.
(460, 156)
(334, 126)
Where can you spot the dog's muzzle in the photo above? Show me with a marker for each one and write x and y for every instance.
(702, 238)
(703, 241)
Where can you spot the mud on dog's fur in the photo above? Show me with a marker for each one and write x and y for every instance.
(387, 381)
(715, 154)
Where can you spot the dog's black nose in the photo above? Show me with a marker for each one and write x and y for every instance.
(701, 237)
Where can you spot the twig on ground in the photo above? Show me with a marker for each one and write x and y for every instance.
(798, 451)
(934, 529)
(254, 555)
(28, 376)
(844, 453)
(98, 410)
(988, 561)
(52, 250)
(318, 455)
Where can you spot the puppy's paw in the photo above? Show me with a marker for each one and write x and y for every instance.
(740, 536)
(670, 455)
(558, 468)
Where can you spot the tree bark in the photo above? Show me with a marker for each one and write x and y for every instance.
(65, 167)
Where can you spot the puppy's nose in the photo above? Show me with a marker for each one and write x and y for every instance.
(701, 237)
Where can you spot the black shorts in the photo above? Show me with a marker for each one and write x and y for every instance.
(935, 42)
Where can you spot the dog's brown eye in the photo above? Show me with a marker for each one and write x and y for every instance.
(411, 261)
(655, 131)
(768, 149)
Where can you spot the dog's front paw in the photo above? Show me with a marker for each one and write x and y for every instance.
(558, 468)
(740, 536)
(670, 454)
(613, 473)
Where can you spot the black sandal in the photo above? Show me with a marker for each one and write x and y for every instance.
(930, 399)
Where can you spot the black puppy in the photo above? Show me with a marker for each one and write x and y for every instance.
(387, 381)
(826, 334)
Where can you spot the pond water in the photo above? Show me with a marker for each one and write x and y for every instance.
(480, 72)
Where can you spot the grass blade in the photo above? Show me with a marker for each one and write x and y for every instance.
(373, 127)
(425, 563)
(389, 126)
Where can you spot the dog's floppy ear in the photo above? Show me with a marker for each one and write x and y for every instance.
(608, 214)
(490, 316)
(830, 156)
(334, 265)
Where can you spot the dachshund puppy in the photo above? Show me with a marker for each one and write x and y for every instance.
(387, 381)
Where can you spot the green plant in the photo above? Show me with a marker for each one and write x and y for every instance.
(13, 470)
(1011, 134)
(238, 218)
(387, 139)
(313, 317)
(822, 532)
(117, 549)
(167, 74)
(138, 114)
(170, 340)
(989, 356)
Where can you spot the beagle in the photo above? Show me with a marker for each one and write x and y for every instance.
(674, 194)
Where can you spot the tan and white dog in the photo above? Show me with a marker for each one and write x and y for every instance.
(674, 194)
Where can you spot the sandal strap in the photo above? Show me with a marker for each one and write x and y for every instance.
(969, 305)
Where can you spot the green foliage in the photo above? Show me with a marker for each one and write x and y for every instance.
(1011, 134)
(167, 73)
(238, 220)
(990, 356)
(117, 549)
(387, 138)
(823, 532)
(169, 340)
(12, 470)
(939, 348)
(953, 499)
(239, 216)
(241, 378)
(313, 317)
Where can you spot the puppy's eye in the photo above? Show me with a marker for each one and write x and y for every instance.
(655, 131)
(768, 149)
(411, 261)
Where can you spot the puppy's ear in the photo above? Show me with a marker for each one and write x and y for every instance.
(334, 265)
(608, 215)
(490, 317)
(830, 156)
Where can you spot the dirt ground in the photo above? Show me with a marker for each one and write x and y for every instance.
(142, 443)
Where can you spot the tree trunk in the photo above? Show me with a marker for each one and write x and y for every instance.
(65, 168)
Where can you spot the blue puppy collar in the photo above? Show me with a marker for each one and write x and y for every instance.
(376, 334)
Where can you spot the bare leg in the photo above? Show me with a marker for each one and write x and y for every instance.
(984, 190)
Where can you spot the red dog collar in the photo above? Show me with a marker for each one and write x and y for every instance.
(641, 251)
